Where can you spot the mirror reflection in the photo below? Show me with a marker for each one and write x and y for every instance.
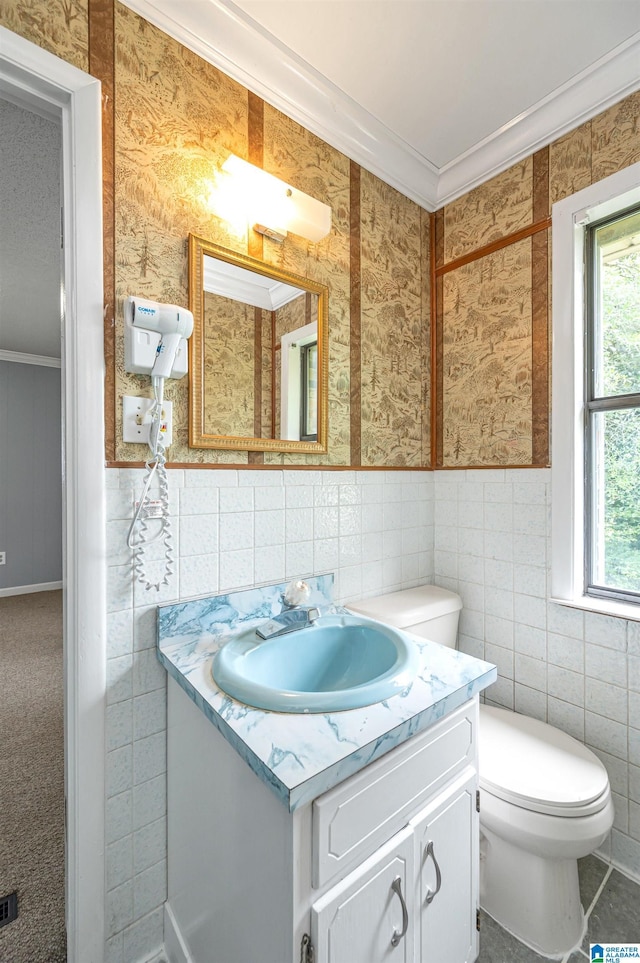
(259, 349)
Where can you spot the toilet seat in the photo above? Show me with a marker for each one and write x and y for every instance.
(537, 767)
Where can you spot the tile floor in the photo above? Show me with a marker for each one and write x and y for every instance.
(612, 906)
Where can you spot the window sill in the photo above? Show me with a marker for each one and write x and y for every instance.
(588, 603)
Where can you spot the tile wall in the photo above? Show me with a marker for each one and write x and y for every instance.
(232, 529)
(376, 531)
(577, 670)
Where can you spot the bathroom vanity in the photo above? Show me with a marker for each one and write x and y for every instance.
(345, 837)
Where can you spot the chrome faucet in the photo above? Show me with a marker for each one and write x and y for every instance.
(294, 616)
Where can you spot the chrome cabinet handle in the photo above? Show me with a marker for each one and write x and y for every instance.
(396, 886)
(431, 894)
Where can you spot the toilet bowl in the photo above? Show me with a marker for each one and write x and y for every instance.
(545, 802)
(545, 799)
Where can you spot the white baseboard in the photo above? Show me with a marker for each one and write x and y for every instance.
(174, 946)
(29, 589)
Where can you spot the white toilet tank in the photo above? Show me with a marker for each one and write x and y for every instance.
(427, 611)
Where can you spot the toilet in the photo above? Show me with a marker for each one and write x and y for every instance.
(545, 799)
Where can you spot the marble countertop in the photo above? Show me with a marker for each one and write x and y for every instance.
(298, 755)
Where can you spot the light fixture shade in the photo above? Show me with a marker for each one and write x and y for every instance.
(273, 207)
(310, 218)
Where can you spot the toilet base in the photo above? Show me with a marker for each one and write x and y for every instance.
(535, 899)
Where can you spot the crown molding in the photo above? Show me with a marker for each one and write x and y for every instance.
(600, 85)
(249, 287)
(20, 357)
(221, 33)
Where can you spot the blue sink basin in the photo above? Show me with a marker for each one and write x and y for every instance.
(339, 662)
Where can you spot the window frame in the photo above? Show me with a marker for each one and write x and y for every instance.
(305, 349)
(598, 404)
(570, 219)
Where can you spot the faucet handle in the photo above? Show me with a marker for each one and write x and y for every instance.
(296, 593)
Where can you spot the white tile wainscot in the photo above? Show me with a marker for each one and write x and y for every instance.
(284, 827)
(369, 551)
(579, 671)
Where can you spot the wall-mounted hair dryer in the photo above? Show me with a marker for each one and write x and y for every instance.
(156, 338)
(155, 345)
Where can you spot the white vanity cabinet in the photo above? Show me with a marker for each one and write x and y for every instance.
(416, 896)
(365, 917)
(446, 836)
(382, 867)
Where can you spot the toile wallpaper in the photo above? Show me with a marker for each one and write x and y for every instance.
(293, 315)
(487, 366)
(177, 118)
(59, 26)
(392, 326)
(299, 157)
(230, 346)
(236, 401)
(176, 121)
(490, 211)
(494, 313)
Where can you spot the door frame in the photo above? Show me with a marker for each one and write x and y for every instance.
(37, 80)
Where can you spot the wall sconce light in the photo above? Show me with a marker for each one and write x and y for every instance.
(272, 207)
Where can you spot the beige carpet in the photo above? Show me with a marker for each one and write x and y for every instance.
(32, 777)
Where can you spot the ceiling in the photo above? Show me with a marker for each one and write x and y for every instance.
(434, 96)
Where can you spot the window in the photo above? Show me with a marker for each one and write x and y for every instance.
(595, 547)
(299, 384)
(612, 407)
(309, 391)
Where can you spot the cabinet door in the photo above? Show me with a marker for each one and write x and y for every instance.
(368, 917)
(447, 840)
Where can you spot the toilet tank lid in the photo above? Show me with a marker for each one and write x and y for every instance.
(409, 606)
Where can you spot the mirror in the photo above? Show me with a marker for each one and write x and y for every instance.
(258, 356)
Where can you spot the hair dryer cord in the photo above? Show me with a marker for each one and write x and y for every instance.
(155, 466)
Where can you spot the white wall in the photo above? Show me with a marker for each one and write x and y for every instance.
(373, 529)
(579, 671)
(30, 475)
(30, 311)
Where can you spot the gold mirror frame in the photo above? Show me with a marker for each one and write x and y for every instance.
(198, 437)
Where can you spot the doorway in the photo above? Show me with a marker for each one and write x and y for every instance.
(31, 639)
(36, 80)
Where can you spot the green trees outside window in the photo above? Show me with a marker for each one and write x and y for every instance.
(613, 406)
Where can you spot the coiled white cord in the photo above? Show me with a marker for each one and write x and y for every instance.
(155, 466)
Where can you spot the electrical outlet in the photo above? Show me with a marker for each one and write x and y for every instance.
(136, 420)
(3, 558)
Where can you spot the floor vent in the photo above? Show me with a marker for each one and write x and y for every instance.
(8, 908)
